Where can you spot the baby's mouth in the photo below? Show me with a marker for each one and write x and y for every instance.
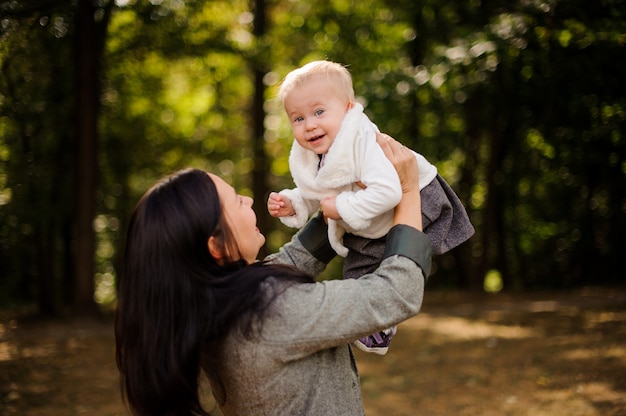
(315, 138)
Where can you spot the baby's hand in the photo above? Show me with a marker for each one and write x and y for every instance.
(329, 208)
(279, 206)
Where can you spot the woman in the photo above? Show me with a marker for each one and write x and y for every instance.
(270, 340)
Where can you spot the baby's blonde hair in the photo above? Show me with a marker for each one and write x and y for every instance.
(334, 72)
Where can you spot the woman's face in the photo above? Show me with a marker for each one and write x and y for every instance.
(241, 219)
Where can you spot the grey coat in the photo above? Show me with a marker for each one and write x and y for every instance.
(302, 364)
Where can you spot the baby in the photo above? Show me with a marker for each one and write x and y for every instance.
(337, 164)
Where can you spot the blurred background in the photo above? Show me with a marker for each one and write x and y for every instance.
(520, 104)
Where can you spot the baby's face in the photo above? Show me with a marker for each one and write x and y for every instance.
(315, 111)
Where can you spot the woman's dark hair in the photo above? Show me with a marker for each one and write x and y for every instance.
(176, 303)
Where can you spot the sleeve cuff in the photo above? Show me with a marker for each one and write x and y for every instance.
(409, 242)
(314, 237)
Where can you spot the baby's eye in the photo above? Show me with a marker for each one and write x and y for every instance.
(298, 120)
(319, 112)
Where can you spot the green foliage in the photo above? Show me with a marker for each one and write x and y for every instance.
(521, 105)
(35, 106)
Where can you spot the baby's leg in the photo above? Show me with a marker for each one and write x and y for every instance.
(364, 255)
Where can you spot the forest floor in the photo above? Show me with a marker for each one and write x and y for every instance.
(540, 354)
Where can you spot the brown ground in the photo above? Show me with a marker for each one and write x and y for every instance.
(529, 354)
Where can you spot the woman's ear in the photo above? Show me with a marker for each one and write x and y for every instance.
(215, 249)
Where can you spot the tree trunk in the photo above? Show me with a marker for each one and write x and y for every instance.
(261, 164)
(84, 246)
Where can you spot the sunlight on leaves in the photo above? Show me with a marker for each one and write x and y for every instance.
(535, 140)
(493, 282)
(478, 195)
(105, 292)
(565, 36)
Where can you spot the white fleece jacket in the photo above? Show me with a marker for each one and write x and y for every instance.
(354, 156)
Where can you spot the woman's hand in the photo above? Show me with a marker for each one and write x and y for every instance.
(329, 208)
(402, 159)
(409, 210)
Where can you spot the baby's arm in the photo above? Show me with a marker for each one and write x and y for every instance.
(380, 188)
(279, 206)
(329, 204)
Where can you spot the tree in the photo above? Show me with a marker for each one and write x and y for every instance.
(36, 182)
(60, 244)
(519, 104)
(90, 47)
(259, 68)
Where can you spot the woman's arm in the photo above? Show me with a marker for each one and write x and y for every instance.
(405, 237)
(309, 250)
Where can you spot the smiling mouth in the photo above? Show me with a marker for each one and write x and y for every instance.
(315, 138)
